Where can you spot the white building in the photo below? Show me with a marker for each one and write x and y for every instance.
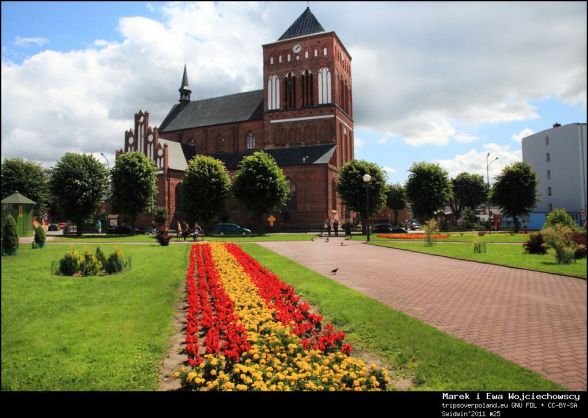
(558, 155)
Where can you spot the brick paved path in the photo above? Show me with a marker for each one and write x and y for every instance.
(537, 320)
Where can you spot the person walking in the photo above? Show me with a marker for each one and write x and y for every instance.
(328, 222)
(179, 231)
(196, 231)
(185, 230)
(336, 227)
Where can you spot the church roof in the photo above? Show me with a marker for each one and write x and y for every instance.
(306, 24)
(179, 155)
(238, 107)
(317, 154)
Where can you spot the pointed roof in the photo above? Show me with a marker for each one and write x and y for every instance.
(17, 198)
(185, 85)
(306, 24)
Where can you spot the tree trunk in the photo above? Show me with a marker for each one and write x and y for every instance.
(516, 221)
(395, 217)
(79, 226)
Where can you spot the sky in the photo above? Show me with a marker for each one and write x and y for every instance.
(445, 82)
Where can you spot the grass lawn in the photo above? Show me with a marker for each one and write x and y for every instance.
(461, 237)
(504, 255)
(151, 239)
(97, 333)
(432, 359)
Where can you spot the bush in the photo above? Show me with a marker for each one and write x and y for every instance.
(430, 228)
(580, 252)
(115, 263)
(40, 236)
(163, 237)
(100, 256)
(89, 264)
(535, 244)
(560, 239)
(9, 236)
(70, 263)
(559, 217)
(160, 215)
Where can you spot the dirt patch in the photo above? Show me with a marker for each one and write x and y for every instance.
(174, 357)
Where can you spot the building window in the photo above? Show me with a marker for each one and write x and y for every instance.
(250, 140)
(325, 52)
(549, 191)
(307, 87)
(288, 57)
(273, 93)
(271, 60)
(305, 54)
(290, 91)
(547, 157)
(546, 140)
(316, 52)
(150, 146)
(324, 86)
(280, 59)
(548, 174)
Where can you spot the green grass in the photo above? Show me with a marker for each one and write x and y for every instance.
(96, 333)
(504, 255)
(462, 237)
(432, 359)
(151, 239)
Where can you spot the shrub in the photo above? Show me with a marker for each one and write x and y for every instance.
(560, 239)
(479, 246)
(163, 237)
(70, 263)
(430, 228)
(100, 256)
(40, 236)
(9, 236)
(559, 217)
(580, 252)
(115, 263)
(160, 215)
(89, 264)
(535, 244)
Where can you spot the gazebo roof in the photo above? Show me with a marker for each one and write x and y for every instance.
(17, 198)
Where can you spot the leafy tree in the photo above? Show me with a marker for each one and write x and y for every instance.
(9, 236)
(205, 189)
(515, 191)
(78, 183)
(468, 191)
(261, 186)
(427, 189)
(160, 216)
(559, 217)
(352, 189)
(395, 199)
(134, 185)
(28, 178)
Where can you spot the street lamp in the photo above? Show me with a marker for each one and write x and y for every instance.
(488, 181)
(366, 180)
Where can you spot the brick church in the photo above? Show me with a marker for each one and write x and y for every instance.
(303, 118)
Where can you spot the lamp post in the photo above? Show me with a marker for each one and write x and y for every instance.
(366, 180)
(488, 182)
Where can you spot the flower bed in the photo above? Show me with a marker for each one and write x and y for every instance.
(247, 330)
(412, 236)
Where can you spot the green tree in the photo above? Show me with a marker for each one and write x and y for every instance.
(352, 188)
(28, 178)
(468, 191)
(261, 186)
(134, 185)
(515, 191)
(9, 236)
(427, 190)
(78, 183)
(205, 189)
(395, 199)
(559, 217)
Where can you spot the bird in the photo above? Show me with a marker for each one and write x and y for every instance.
(327, 240)
(342, 244)
(334, 271)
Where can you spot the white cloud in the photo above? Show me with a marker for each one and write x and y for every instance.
(390, 170)
(22, 41)
(475, 161)
(359, 143)
(523, 134)
(419, 69)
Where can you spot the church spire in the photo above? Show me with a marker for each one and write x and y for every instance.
(185, 88)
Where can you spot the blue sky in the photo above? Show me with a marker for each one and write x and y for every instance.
(444, 82)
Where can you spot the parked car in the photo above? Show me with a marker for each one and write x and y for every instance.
(415, 225)
(62, 225)
(229, 229)
(53, 227)
(387, 229)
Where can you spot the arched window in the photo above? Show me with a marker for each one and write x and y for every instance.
(290, 91)
(140, 143)
(250, 140)
(292, 198)
(306, 81)
(324, 86)
(150, 145)
(160, 158)
(273, 93)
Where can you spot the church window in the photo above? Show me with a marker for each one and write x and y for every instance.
(250, 140)
(288, 57)
(325, 52)
(150, 145)
(307, 90)
(316, 52)
(324, 86)
(273, 93)
(305, 54)
(280, 59)
(271, 60)
(160, 158)
(140, 143)
(290, 91)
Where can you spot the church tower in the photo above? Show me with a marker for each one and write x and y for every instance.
(185, 88)
(308, 89)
